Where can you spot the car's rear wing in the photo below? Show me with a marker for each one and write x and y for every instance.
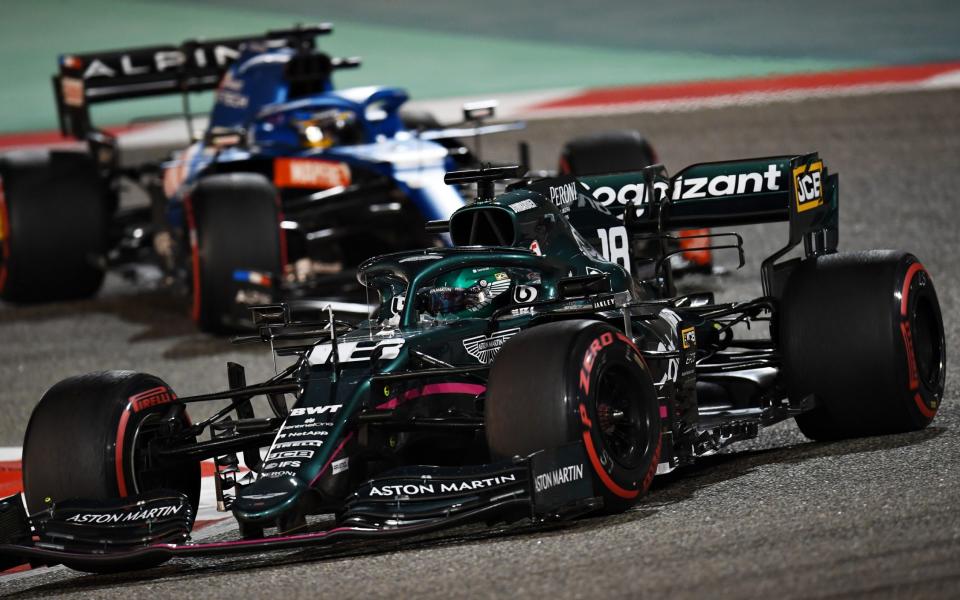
(194, 65)
(797, 189)
(740, 192)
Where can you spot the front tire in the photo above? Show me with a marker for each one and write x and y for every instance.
(862, 332)
(88, 436)
(235, 231)
(578, 381)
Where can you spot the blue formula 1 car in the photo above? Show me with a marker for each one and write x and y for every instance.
(291, 185)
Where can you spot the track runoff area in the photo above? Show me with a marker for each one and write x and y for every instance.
(577, 102)
(609, 105)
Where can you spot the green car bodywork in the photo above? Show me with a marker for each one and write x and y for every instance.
(545, 235)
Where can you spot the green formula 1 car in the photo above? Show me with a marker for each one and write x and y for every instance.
(539, 369)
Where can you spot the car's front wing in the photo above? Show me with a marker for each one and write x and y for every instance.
(548, 485)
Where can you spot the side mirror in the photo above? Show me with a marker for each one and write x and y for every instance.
(270, 314)
(226, 137)
(480, 110)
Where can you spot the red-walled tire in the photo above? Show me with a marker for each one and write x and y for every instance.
(54, 214)
(606, 152)
(578, 380)
(628, 150)
(235, 227)
(862, 332)
(87, 436)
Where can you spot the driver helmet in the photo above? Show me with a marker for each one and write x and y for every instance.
(327, 129)
(466, 293)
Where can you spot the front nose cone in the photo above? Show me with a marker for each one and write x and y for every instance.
(267, 499)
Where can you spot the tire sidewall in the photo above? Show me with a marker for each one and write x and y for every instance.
(915, 287)
(234, 222)
(596, 351)
(148, 399)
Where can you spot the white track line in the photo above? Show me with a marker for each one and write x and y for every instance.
(10, 453)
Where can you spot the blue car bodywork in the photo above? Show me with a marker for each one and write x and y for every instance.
(255, 97)
(350, 178)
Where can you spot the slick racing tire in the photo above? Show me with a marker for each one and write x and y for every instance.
(578, 381)
(236, 248)
(620, 151)
(606, 152)
(88, 439)
(862, 332)
(54, 214)
(88, 436)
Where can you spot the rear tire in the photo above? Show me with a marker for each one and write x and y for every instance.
(54, 214)
(235, 226)
(623, 151)
(606, 152)
(863, 333)
(592, 386)
(86, 439)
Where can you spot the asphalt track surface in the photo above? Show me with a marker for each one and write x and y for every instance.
(779, 516)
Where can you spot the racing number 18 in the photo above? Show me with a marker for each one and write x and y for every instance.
(614, 245)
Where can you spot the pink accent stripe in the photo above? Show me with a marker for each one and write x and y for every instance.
(240, 543)
(332, 457)
(663, 411)
(903, 74)
(434, 389)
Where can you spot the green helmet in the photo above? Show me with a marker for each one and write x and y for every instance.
(466, 293)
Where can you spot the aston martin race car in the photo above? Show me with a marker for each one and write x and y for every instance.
(539, 369)
(290, 186)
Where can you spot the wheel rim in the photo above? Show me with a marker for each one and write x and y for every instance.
(142, 473)
(624, 425)
(928, 343)
(145, 431)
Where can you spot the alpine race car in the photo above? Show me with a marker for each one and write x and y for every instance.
(291, 185)
(537, 370)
